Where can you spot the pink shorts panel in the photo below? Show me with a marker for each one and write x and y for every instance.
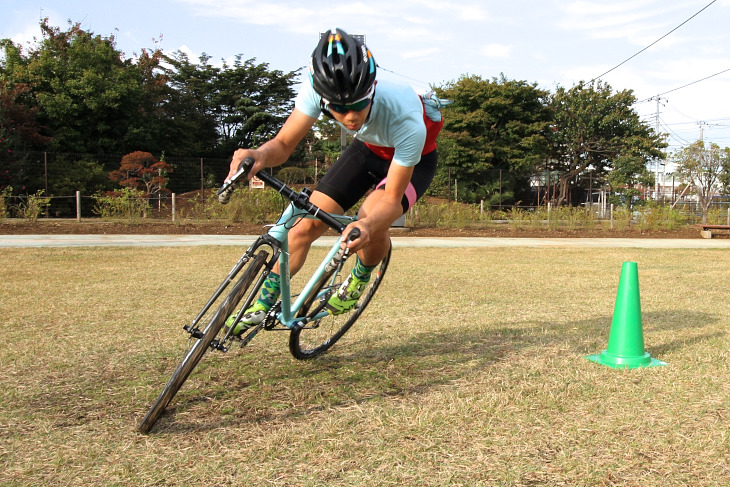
(409, 195)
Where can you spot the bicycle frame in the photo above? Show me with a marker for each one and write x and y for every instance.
(287, 316)
(277, 237)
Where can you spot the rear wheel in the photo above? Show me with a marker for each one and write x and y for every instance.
(247, 286)
(317, 337)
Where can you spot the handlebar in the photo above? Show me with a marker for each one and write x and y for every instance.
(298, 199)
(224, 194)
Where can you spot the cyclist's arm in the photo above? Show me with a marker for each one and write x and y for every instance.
(276, 151)
(387, 209)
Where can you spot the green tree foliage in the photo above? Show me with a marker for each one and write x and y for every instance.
(251, 103)
(86, 95)
(598, 130)
(229, 107)
(189, 104)
(495, 130)
(627, 172)
(319, 148)
(725, 172)
(702, 166)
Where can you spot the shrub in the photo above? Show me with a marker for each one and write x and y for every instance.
(718, 216)
(293, 175)
(445, 215)
(258, 206)
(652, 216)
(621, 218)
(129, 204)
(34, 206)
(5, 201)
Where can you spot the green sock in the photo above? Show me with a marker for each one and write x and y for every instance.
(270, 290)
(361, 271)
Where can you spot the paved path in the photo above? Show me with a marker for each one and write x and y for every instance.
(38, 241)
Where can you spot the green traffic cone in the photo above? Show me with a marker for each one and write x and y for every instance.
(626, 340)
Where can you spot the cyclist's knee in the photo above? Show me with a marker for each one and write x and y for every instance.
(307, 230)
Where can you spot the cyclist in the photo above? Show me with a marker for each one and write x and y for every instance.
(393, 151)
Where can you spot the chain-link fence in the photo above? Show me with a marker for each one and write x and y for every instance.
(67, 185)
(71, 182)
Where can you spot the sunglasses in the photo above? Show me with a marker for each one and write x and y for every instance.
(355, 107)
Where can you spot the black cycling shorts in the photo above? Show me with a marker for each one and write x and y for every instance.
(358, 170)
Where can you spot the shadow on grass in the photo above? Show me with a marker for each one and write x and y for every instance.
(386, 367)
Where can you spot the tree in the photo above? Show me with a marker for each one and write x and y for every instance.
(627, 172)
(142, 171)
(87, 96)
(319, 148)
(228, 107)
(250, 103)
(594, 128)
(494, 128)
(702, 167)
(19, 131)
(73, 91)
(725, 173)
(19, 127)
(189, 104)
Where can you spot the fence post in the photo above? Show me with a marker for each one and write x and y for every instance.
(173, 206)
(45, 176)
(611, 215)
(728, 216)
(78, 206)
(202, 182)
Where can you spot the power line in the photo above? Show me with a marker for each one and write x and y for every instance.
(412, 80)
(711, 121)
(672, 132)
(647, 47)
(688, 84)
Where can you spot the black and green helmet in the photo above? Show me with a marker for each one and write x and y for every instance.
(342, 69)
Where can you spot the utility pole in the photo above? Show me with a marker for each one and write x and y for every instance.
(702, 130)
(656, 161)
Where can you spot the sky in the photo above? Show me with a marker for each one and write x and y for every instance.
(433, 42)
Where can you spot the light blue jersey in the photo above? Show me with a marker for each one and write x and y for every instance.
(395, 120)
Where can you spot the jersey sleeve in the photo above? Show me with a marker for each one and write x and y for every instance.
(410, 138)
(308, 101)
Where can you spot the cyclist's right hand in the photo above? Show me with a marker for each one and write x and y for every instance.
(238, 158)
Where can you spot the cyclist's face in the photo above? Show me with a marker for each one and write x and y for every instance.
(352, 120)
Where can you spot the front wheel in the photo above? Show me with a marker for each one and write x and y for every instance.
(214, 327)
(317, 337)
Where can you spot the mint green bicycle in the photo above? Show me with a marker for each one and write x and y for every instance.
(312, 330)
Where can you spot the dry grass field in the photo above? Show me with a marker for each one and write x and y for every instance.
(468, 369)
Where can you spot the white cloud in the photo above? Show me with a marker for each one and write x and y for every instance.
(422, 53)
(496, 50)
(640, 22)
(26, 35)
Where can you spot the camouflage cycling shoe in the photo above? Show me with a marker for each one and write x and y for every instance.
(347, 295)
(252, 317)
